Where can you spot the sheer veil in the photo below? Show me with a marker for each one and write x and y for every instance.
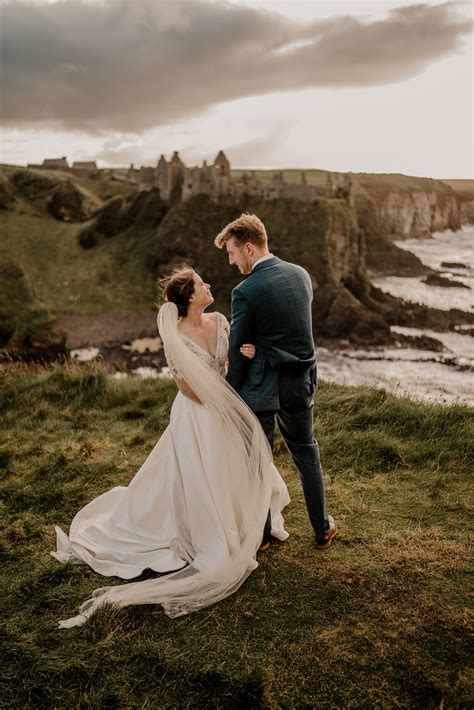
(248, 458)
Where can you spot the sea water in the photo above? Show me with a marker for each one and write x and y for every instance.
(444, 377)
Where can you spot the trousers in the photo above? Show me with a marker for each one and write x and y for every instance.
(294, 419)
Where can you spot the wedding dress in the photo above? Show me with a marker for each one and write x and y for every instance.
(197, 505)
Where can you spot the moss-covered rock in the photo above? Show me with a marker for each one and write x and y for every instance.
(66, 203)
(7, 197)
(147, 209)
(26, 327)
(322, 236)
(33, 185)
(145, 212)
(56, 193)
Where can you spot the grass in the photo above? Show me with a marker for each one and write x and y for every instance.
(61, 274)
(378, 620)
(461, 185)
(66, 277)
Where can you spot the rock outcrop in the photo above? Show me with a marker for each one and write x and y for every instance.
(144, 212)
(438, 280)
(412, 207)
(27, 329)
(415, 214)
(394, 207)
(57, 195)
(7, 197)
(322, 236)
(382, 255)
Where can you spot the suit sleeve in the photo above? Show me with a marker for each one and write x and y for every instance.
(241, 331)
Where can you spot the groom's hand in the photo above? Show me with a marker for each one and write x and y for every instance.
(248, 350)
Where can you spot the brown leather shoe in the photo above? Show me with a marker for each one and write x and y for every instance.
(324, 541)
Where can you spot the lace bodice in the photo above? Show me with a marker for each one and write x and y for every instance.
(219, 362)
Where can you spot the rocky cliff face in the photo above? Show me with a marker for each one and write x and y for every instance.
(410, 214)
(467, 211)
(412, 207)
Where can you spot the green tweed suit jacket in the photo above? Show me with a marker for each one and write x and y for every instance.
(271, 308)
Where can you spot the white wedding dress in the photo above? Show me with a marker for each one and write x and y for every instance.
(197, 504)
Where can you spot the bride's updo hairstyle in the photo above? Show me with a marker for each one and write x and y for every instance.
(178, 287)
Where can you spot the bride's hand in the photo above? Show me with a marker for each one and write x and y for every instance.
(248, 350)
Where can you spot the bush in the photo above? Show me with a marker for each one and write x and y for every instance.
(33, 185)
(66, 203)
(88, 237)
(7, 198)
(107, 222)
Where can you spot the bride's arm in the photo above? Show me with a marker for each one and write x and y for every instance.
(183, 386)
(185, 389)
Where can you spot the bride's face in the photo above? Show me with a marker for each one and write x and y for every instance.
(202, 296)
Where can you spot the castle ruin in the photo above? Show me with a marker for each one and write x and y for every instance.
(217, 181)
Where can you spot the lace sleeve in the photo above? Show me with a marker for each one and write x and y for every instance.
(177, 374)
(225, 324)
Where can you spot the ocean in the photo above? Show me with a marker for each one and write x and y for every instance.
(444, 377)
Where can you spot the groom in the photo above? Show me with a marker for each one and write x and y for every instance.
(272, 309)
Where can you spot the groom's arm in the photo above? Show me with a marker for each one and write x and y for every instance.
(241, 331)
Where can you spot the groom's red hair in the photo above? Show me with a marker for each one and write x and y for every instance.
(247, 228)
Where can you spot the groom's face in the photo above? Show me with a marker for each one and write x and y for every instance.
(239, 256)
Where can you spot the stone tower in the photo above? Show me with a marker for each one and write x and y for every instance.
(222, 165)
(221, 174)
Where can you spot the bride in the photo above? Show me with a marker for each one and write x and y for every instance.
(197, 506)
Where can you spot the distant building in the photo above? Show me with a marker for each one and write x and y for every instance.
(84, 168)
(55, 163)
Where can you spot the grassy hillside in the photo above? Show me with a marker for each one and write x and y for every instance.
(313, 177)
(382, 183)
(466, 186)
(61, 274)
(365, 182)
(378, 620)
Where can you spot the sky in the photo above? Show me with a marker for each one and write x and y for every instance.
(359, 85)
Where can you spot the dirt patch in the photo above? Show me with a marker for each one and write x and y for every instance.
(85, 330)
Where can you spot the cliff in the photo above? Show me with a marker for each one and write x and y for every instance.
(411, 207)
(322, 236)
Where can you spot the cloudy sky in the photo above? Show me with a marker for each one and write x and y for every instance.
(372, 86)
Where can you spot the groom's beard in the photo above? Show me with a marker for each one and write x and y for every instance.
(245, 267)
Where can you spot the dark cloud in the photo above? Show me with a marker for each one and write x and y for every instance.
(131, 65)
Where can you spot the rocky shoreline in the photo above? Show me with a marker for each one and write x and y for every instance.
(127, 341)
